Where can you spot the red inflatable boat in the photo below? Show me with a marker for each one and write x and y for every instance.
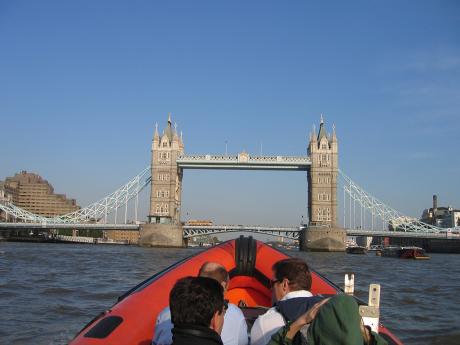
(131, 320)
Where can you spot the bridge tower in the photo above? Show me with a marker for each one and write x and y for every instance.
(323, 233)
(322, 177)
(166, 188)
(164, 227)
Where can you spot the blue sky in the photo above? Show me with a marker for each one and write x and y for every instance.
(82, 84)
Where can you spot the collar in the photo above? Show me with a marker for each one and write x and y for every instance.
(295, 294)
(197, 331)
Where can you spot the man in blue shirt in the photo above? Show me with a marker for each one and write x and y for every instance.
(234, 331)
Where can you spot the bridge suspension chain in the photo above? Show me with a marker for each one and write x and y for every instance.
(384, 212)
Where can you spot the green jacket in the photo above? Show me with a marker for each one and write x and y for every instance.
(337, 323)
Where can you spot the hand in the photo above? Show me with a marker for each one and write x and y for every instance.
(366, 333)
(304, 319)
(308, 317)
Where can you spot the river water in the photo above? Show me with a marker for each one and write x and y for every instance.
(48, 292)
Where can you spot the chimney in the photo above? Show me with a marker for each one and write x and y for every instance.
(435, 207)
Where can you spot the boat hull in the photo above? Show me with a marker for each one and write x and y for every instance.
(133, 317)
(357, 250)
(405, 252)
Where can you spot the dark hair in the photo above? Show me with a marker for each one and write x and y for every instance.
(194, 300)
(296, 271)
(213, 270)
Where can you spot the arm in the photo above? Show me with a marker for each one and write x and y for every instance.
(163, 326)
(304, 319)
(257, 333)
(378, 340)
(265, 326)
(243, 332)
(287, 333)
(279, 338)
(370, 337)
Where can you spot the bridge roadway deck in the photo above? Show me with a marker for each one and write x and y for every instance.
(293, 232)
(244, 162)
(193, 231)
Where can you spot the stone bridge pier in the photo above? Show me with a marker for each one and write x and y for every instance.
(322, 239)
(161, 235)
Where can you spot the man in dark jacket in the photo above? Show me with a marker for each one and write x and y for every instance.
(197, 311)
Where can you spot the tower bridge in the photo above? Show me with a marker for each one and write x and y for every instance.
(169, 162)
(360, 209)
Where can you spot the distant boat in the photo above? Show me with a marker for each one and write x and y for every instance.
(356, 250)
(416, 253)
(375, 247)
(109, 241)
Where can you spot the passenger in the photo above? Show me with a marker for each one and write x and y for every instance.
(197, 311)
(235, 329)
(290, 291)
(336, 322)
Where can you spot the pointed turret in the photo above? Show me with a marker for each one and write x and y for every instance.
(312, 146)
(334, 142)
(314, 137)
(156, 136)
(322, 131)
(168, 130)
(334, 136)
(175, 136)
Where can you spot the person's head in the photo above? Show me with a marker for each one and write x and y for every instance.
(215, 271)
(289, 275)
(197, 301)
(337, 322)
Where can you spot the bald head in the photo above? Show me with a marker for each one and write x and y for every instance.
(215, 271)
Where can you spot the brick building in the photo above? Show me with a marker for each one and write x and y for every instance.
(131, 236)
(31, 192)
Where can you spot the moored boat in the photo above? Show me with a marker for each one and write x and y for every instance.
(249, 262)
(391, 251)
(356, 250)
(416, 253)
(375, 248)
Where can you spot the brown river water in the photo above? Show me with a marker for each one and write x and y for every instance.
(48, 292)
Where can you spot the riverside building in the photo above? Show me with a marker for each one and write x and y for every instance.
(34, 194)
(444, 217)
